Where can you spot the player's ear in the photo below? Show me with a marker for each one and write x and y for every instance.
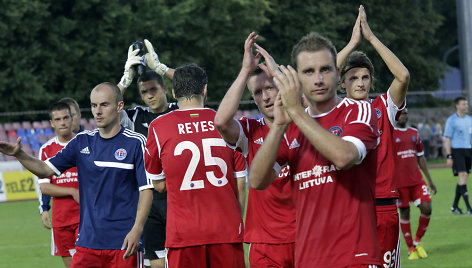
(204, 93)
(120, 106)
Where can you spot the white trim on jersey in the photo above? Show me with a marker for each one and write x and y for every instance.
(56, 171)
(360, 147)
(113, 164)
(240, 174)
(242, 141)
(143, 141)
(392, 109)
(44, 181)
(156, 177)
(52, 241)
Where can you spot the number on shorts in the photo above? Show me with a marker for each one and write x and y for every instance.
(425, 190)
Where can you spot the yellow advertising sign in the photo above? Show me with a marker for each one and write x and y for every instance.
(19, 185)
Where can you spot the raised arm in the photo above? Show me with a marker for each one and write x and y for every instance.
(356, 39)
(33, 164)
(224, 118)
(399, 86)
(262, 172)
(131, 241)
(340, 152)
(129, 72)
(152, 61)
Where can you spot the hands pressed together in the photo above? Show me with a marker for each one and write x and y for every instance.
(150, 59)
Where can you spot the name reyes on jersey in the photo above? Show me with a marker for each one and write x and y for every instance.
(195, 127)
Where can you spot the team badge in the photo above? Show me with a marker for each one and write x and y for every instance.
(379, 113)
(336, 130)
(120, 154)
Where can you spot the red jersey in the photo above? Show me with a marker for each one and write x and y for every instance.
(386, 186)
(336, 224)
(185, 149)
(270, 215)
(65, 210)
(407, 148)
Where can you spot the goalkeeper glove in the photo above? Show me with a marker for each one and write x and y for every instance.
(152, 60)
(129, 73)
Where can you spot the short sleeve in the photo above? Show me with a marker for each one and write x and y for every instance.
(449, 129)
(64, 159)
(144, 181)
(152, 158)
(419, 145)
(361, 128)
(240, 168)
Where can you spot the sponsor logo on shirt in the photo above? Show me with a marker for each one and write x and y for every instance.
(120, 154)
(294, 144)
(397, 140)
(413, 139)
(336, 130)
(85, 150)
(259, 141)
(316, 172)
(407, 153)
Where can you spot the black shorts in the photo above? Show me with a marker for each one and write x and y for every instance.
(461, 160)
(154, 231)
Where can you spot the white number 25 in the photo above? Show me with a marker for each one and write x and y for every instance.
(188, 183)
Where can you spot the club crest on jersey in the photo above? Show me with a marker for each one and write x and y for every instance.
(379, 113)
(336, 130)
(120, 154)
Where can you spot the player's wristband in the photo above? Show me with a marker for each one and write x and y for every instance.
(449, 156)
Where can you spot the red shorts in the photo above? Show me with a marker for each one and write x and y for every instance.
(417, 194)
(388, 229)
(105, 258)
(217, 255)
(272, 255)
(63, 240)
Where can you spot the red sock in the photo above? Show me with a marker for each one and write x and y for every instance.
(406, 230)
(422, 227)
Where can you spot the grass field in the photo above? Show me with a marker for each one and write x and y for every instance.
(448, 241)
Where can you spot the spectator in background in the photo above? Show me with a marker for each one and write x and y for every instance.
(438, 136)
(426, 135)
(458, 133)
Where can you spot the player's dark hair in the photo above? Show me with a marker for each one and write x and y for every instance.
(149, 76)
(189, 81)
(71, 102)
(59, 106)
(312, 42)
(357, 59)
(458, 99)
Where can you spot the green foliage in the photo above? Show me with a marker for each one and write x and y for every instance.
(64, 48)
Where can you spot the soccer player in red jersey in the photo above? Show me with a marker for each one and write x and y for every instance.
(270, 216)
(357, 74)
(186, 156)
(330, 148)
(411, 186)
(64, 188)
